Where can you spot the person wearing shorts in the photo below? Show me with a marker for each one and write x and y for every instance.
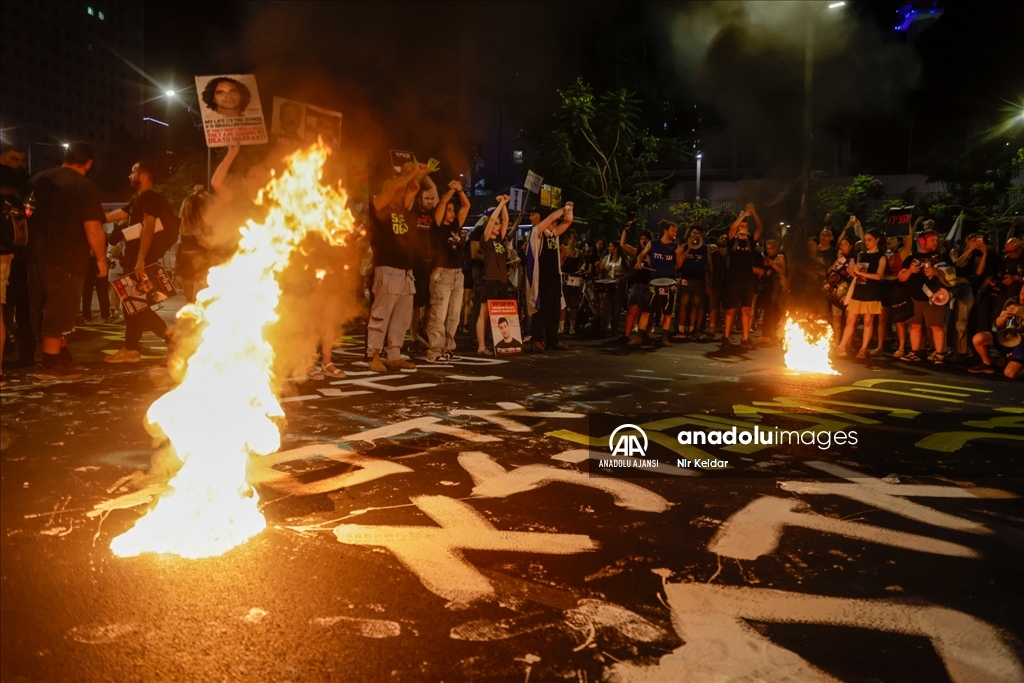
(639, 278)
(745, 267)
(923, 276)
(68, 231)
(664, 257)
(866, 299)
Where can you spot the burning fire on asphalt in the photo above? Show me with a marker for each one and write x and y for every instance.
(807, 352)
(225, 409)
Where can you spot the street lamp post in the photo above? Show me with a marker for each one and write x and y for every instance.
(700, 156)
(805, 167)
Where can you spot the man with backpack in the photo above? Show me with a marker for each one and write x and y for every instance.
(146, 210)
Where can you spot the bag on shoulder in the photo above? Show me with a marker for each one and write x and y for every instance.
(902, 305)
(14, 227)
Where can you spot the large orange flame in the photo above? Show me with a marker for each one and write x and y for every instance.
(225, 409)
(807, 354)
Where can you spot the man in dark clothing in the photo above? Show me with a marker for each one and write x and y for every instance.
(924, 276)
(145, 211)
(68, 227)
(746, 265)
(13, 245)
(544, 276)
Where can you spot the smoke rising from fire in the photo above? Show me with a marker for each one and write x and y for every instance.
(746, 60)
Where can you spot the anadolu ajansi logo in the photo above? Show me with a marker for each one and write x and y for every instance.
(628, 443)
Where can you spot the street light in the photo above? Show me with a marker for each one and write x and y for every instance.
(700, 155)
(171, 94)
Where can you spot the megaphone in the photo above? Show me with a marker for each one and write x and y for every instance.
(939, 298)
(1010, 336)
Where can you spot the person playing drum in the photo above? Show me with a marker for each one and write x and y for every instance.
(663, 257)
(612, 272)
(573, 264)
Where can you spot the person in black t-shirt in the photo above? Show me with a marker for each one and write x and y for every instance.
(390, 221)
(67, 230)
(746, 265)
(866, 297)
(145, 210)
(925, 275)
(494, 284)
(423, 261)
(544, 276)
(447, 279)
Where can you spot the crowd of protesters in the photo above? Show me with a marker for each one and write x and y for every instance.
(426, 276)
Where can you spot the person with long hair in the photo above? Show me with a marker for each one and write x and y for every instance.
(226, 97)
(191, 262)
(639, 277)
(866, 298)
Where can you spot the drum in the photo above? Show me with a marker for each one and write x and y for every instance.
(607, 286)
(572, 280)
(662, 286)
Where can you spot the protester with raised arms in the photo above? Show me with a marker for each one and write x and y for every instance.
(745, 267)
(544, 276)
(390, 221)
(447, 279)
(639, 278)
(495, 278)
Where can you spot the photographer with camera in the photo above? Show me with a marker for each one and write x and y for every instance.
(1009, 326)
(927, 278)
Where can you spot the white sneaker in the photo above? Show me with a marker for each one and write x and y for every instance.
(124, 356)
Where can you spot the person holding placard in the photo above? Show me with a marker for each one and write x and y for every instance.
(144, 211)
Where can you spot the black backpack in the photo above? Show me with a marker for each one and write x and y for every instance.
(14, 227)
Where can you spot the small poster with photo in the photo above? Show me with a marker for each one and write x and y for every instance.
(138, 295)
(400, 158)
(504, 315)
(302, 123)
(231, 110)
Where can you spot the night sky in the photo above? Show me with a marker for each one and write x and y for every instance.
(434, 76)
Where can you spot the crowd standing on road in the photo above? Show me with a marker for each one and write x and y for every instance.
(426, 276)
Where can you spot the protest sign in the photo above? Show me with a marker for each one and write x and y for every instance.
(138, 295)
(550, 196)
(504, 316)
(897, 222)
(231, 110)
(400, 158)
(533, 182)
(516, 198)
(300, 122)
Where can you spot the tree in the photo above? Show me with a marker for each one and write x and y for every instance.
(598, 152)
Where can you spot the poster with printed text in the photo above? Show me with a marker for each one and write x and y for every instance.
(399, 158)
(301, 123)
(138, 295)
(504, 317)
(231, 110)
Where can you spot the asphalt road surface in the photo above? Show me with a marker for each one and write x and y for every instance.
(443, 524)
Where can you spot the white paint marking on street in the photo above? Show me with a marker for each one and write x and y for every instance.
(491, 480)
(261, 469)
(433, 554)
(474, 378)
(756, 529)
(887, 496)
(425, 424)
(720, 645)
(307, 397)
(576, 455)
